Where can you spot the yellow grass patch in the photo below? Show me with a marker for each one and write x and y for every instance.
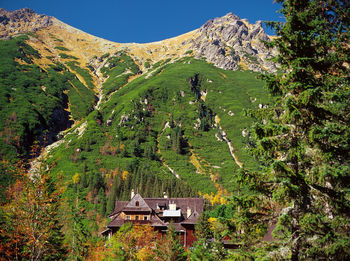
(222, 75)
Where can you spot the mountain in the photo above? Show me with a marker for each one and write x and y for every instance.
(107, 117)
(228, 42)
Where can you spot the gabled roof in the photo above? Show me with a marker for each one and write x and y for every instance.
(155, 221)
(119, 205)
(137, 203)
(195, 204)
(116, 223)
(150, 205)
(192, 219)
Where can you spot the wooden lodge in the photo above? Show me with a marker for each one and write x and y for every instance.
(159, 213)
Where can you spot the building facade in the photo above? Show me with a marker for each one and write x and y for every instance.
(159, 213)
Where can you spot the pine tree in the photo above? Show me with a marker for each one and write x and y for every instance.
(209, 245)
(78, 234)
(203, 230)
(303, 138)
(101, 202)
(113, 195)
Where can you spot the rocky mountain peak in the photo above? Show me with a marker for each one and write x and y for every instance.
(21, 21)
(230, 42)
(226, 18)
(17, 14)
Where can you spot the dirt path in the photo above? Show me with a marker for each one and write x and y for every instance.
(229, 144)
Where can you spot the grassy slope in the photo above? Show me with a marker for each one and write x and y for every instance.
(142, 127)
(227, 91)
(108, 144)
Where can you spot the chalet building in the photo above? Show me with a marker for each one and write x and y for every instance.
(159, 213)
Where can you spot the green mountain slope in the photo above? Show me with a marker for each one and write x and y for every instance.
(183, 121)
(34, 102)
(172, 123)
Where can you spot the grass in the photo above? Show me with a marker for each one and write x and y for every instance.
(170, 99)
(33, 101)
(118, 69)
(61, 48)
(152, 122)
(66, 56)
(83, 72)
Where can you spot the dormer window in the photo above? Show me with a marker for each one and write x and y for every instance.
(137, 203)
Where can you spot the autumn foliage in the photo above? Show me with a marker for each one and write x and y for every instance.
(139, 242)
(29, 225)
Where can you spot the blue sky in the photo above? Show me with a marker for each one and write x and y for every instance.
(145, 21)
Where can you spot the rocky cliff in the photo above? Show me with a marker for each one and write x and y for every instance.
(21, 21)
(228, 42)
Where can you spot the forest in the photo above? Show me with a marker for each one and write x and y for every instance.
(170, 130)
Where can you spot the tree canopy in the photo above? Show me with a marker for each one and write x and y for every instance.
(302, 139)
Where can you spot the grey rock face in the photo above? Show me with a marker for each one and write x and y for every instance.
(21, 21)
(229, 42)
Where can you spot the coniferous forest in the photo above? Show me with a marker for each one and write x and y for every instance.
(268, 150)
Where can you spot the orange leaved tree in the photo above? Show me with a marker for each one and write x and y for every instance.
(30, 228)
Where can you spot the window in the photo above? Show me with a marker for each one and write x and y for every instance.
(128, 217)
(137, 217)
(145, 218)
(137, 203)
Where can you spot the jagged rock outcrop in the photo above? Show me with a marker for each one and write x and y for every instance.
(229, 42)
(21, 21)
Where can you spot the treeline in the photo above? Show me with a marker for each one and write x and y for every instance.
(103, 192)
(146, 182)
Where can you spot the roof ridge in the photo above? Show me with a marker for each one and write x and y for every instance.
(177, 198)
(137, 198)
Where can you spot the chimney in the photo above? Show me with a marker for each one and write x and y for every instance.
(172, 206)
(165, 195)
(132, 193)
(189, 212)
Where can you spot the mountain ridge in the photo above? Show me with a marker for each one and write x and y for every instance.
(214, 41)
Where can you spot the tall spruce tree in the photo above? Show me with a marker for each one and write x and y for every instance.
(302, 140)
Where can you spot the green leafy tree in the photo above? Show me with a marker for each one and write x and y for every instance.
(169, 247)
(302, 140)
(131, 242)
(201, 251)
